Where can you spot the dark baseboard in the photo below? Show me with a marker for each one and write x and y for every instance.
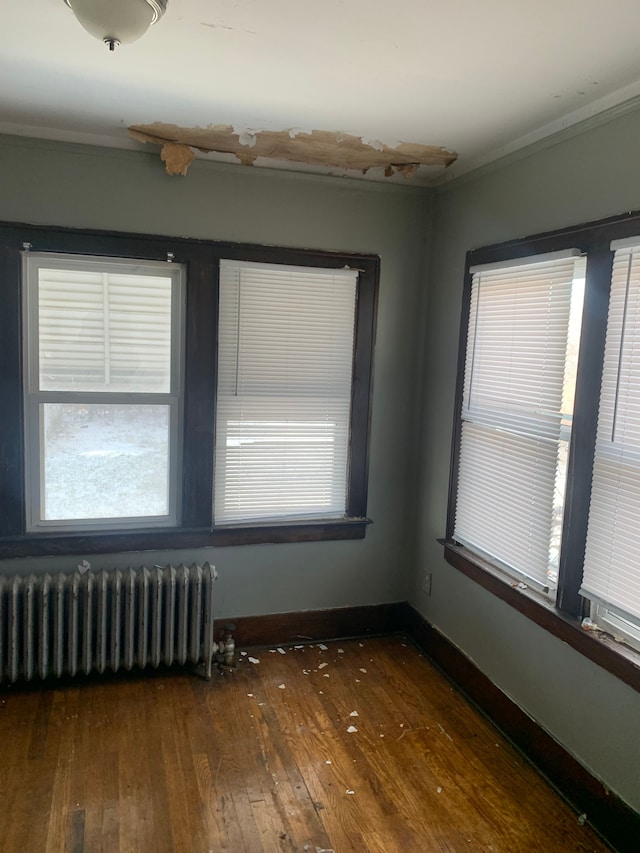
(616, 822)
(339, 623)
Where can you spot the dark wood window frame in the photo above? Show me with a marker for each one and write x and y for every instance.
(201, 259)
(564, 618)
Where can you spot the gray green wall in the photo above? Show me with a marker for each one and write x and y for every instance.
(585, 177)
(88, 187)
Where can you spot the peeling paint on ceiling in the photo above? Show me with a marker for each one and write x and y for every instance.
(317, 147)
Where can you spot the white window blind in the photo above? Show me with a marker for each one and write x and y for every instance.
(516, 414)
(612, 560)
(103, 330)
(285, 364)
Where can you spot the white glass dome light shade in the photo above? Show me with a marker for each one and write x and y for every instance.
(117, 21)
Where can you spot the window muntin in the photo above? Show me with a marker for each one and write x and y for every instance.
(285, 369)
(103, 392)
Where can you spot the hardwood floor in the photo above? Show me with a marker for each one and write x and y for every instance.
(346, 746)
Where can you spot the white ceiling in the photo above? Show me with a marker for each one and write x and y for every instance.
(481, 78)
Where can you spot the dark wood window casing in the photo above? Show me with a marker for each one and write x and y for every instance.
(563, 618)
(201, 259)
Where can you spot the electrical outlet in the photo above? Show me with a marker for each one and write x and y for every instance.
(426, 583)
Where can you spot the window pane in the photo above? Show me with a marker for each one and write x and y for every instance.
(291, 462)
(103, 331)
(104, 461)
(286, 331)
(505, 498)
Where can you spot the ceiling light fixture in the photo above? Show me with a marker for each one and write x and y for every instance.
(117, 21)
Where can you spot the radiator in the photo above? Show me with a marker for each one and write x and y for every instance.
(90, 621)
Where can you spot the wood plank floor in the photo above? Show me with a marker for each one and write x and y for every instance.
(350, 746)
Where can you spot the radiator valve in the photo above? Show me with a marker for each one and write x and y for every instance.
(229, 646)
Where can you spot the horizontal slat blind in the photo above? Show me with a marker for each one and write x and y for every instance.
(285, 364)
(611, 574)
(512, 415)
(103, 331)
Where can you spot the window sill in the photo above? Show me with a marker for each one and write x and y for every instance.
(302, 531)
(162, 539)
(616, 658)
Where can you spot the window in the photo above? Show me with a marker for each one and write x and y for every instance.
(611, 579)
(168, 393)
(516, 415)
(285, 363)
(103, 392)
(545, 481)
